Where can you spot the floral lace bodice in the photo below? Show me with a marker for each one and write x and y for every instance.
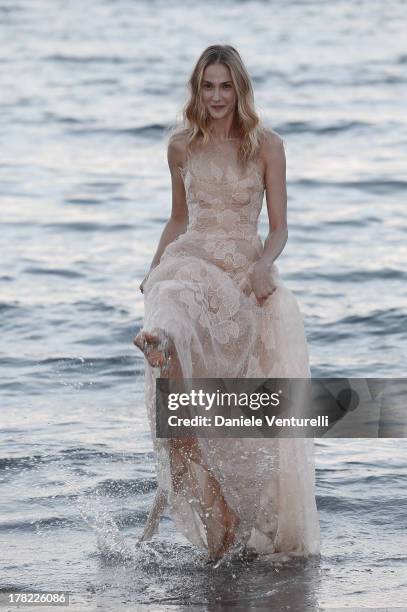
(223, 198)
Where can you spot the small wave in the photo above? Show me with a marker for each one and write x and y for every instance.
(15, 588)
(300, 127)
(73, 456)
(21, 463)
(86, 226)
(102, 185)
(357, 222)
(389, 561)
(133, 518)
(99, 81)
(385, 79)
(377, 323)
(391, 321)
(87, 361)
(49, 117)
(94, 305)
(124, 488)
(78, 226)
(84, 201)
(374, 186)
(328, 335)
(11, 8)
(85, 59)
(354, 276)
(154, 130)
(388, 507)
(54, 272)
(86, 454)
(6, 307)
(373, 480)
(54, 522)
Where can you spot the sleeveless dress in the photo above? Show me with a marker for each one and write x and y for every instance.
(200, 294)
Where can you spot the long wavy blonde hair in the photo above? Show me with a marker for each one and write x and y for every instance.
(195, 120)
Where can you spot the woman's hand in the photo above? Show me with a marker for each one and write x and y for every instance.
(261, 281)
(143, 282)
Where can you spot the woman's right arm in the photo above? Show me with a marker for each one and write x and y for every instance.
(178, 221)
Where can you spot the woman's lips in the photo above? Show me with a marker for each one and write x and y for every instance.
(218, 107)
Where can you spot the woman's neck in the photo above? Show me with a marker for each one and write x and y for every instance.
(223, 132)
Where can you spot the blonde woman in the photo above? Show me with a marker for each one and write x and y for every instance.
(216, 308)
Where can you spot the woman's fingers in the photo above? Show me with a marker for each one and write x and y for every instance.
(263, 297)
(141, 287)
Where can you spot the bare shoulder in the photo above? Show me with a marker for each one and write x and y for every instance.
(272, 153)
(271, 143)
(177, 145)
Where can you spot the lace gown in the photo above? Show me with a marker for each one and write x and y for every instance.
(200, 293)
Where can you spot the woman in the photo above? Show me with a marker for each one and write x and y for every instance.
(216, 308)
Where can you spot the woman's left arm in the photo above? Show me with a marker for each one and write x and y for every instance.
(276, 198)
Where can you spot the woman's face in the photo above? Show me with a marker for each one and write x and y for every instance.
(218, 92)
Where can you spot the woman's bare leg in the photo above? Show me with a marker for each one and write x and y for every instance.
(159, 504)
(219, 520)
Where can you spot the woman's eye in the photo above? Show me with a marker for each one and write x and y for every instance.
(209, 86)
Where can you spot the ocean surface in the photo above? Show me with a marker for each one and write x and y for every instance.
(89, 91)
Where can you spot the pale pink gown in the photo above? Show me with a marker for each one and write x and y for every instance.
(200, 293)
